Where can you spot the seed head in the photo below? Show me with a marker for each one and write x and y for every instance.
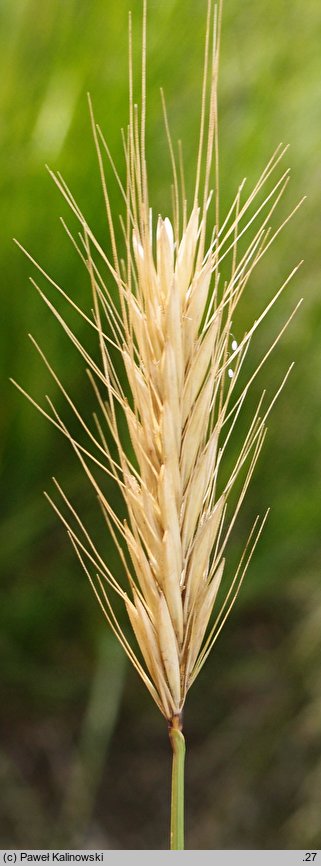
(181, 364)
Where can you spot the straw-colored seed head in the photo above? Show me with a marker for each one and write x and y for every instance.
(172, 332)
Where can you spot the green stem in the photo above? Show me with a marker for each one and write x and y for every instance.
(177, 799)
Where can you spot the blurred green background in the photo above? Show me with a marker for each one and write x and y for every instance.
(84, 757)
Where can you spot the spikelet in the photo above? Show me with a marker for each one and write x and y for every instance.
(172, 333)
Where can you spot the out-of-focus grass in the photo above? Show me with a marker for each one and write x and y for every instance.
(255, 756)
